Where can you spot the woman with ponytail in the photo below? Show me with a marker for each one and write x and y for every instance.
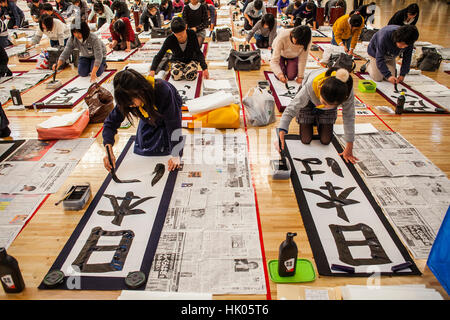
(317, 102)
(157, 105)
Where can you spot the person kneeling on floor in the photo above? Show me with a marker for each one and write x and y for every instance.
(123, 35)
(157, 105)
(290, 53)
(264, 31)
(317, 102)
(186, 53)
(385, 46)
(92, 57)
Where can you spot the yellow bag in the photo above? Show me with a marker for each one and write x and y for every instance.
(222, 118)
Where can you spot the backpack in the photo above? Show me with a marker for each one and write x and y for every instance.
(367, 34)
(161, 32)
(430, 60)
(100, 102)
(342, 60)
(244, 60)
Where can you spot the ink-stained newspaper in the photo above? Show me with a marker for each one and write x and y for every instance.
(412, 192)
(210, 239)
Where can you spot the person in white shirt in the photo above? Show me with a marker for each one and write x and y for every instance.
(57, 31)
(104, 14)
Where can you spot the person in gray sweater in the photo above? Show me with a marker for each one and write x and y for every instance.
(253, 13)
(264, 31)
(316, 102)
(92, 57)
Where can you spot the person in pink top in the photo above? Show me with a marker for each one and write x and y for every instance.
(178, 6)
(290, 53)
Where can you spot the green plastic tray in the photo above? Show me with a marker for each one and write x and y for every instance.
(304, 272)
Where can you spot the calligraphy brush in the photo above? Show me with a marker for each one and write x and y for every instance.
(66, 196)
(113, 173)
(395, 84)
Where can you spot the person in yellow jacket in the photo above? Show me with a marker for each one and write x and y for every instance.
(346, 31)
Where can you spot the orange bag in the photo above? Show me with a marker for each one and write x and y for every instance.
(73, 131)
(227, 117)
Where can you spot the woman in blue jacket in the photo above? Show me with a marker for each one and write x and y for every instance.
(157, 104)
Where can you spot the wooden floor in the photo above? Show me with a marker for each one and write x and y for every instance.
(41, 241)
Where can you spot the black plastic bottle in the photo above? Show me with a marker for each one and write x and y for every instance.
(400, 103)
(287, 257)
(10, 275)
(15, 96)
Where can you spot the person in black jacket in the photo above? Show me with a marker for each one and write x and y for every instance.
(186, 53)
(409, 15)
(150, 18)
(166, 9)
(195, 15)
(36, 9)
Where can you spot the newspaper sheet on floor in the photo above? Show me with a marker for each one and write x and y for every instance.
(218, 51)
(210, 240)
(412, 192)
(15, 211)
(40, 167)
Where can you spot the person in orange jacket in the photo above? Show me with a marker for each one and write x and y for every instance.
(346, 31)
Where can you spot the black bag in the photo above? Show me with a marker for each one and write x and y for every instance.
(222, 34)
(342, 60)
(53, 55)
(430, 60)
(367, 34)
(244, 60)
(161, 32)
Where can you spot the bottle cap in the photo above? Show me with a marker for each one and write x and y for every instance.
(402, 93)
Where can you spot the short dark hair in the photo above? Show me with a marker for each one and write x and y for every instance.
(98, 7)
(35, 1)
(407, 34)
(47, 21)
(334, 90)
(47, 7)
(413, 8)
(130, 83)
(268, 19)
(356, 20)
(177, 25)
(297, 3)
(81, 27)
(151, 6)
(258, 4)
(310, 6)
(163, 2)
(302, 34)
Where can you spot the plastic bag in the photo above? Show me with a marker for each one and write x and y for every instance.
(260, 107)
(42, 60)
(439, 258)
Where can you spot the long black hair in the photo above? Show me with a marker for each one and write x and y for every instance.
(268, 19)
(336, 89)
(130, 83)
(47, 21)
(302, 34)
(121, 28)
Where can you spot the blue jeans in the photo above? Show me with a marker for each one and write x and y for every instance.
(345, 41)
(55, 43)
(86, 64)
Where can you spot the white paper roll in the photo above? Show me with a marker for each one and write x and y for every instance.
(210, 102)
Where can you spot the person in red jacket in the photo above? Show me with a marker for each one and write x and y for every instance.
(123, 35)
